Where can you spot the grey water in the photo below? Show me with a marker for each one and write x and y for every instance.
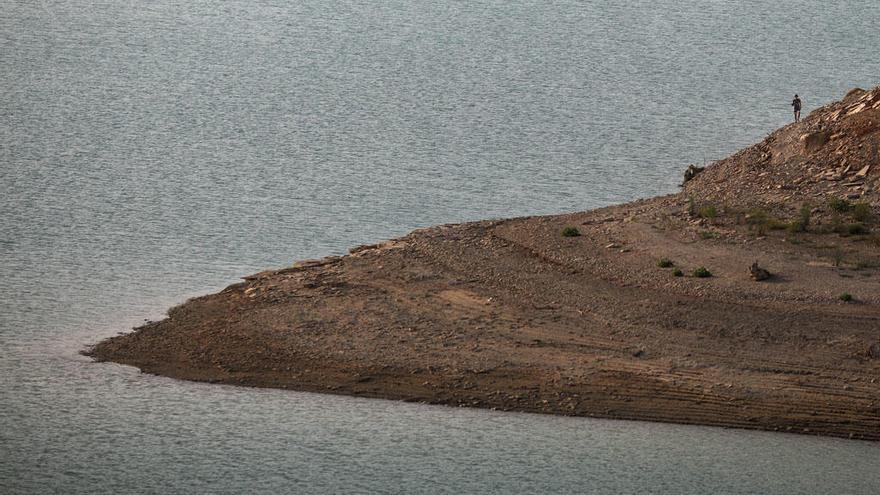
(153, 151)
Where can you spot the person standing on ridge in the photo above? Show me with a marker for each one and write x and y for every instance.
(796, 104)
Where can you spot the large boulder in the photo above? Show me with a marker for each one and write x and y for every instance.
(692, 172)
(757, 273)
(815, 141)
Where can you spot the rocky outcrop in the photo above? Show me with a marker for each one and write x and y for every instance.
(832, 153)
(757, 273)
(692, 172)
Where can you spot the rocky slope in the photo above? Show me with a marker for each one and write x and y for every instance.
(832, 153)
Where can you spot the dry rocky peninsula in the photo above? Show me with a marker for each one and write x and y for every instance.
(749, 299)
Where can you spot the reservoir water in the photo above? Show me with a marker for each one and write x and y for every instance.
(153, 151)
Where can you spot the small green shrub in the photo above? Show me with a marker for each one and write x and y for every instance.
(865, 263)
(861, 211)
(705, 234)
(774, 224)
(758, 219)
(856, 229)
(692, 206)
(840, 205)
(677, 273)
(837, 256)
(846, 297)
(803, 220)
(795, 226)
(709, 212)
(757, 216)
(665, 263)
(570, 232)
(702, 272)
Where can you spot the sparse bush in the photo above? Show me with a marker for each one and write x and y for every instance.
(709, 212)
(837, 256)
(803, 221)
(850, 229)
(665, 263)
(677, 273)
(692, 206)
(795, 226)
(865, 263)
(774, 224)
(757, 216)
(840, 205)
(758, 219)
(702, 272)
(705, 234)
(856, 229)
(861, 211)
(570, 232)
(846, 297)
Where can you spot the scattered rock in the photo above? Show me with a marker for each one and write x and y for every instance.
(757, 273)
(692, 172)
(874, 351)
(854, 93)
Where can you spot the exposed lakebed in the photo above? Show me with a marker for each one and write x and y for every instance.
(157, 152)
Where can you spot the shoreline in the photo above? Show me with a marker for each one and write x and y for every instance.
(460, 338)
(513, 315)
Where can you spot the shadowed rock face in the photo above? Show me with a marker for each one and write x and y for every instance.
(514, 315)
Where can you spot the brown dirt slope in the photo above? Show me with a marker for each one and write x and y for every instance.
(513, 315)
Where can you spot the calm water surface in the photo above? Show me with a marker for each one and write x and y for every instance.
(152, 151)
